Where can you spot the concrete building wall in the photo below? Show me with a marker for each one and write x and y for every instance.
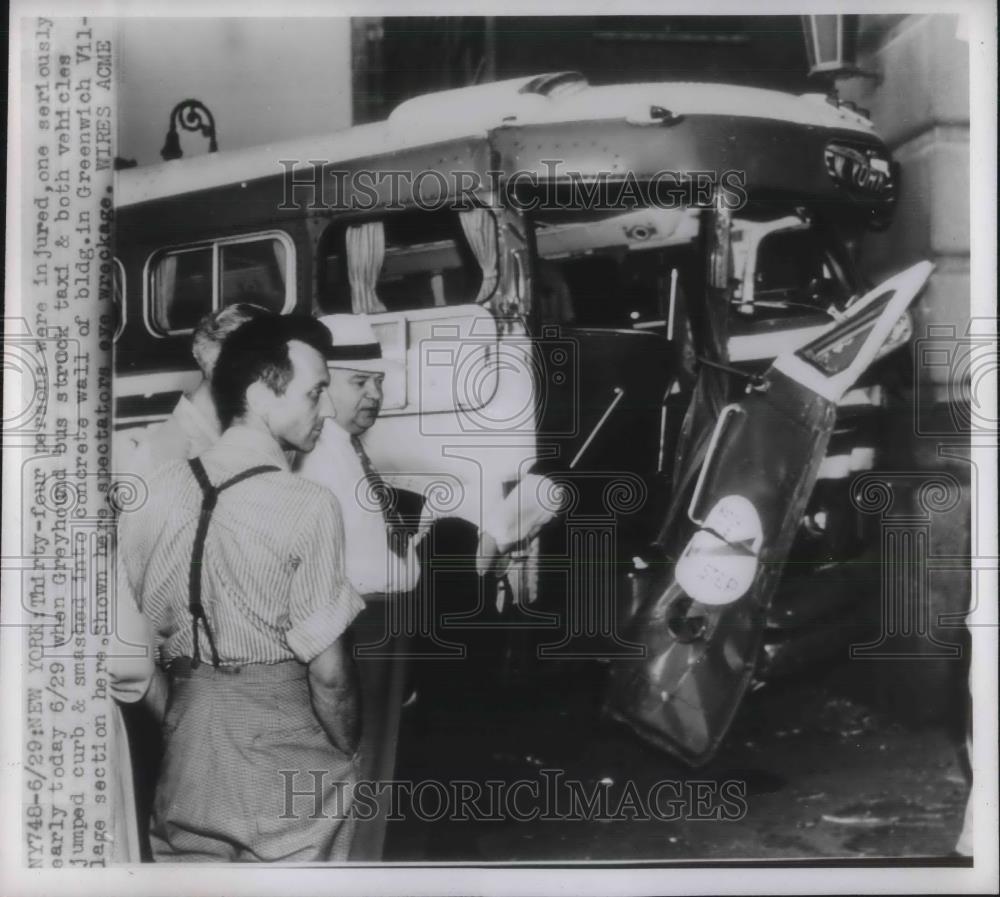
(922, 108)
(264, 80)
(404, 56)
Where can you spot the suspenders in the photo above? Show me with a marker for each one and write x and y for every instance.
(210, 497)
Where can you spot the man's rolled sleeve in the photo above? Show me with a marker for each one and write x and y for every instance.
(130, 666)
(322, 603)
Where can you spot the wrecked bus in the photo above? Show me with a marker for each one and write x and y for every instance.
(645, 292)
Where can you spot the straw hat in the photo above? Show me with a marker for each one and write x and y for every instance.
(355, 345)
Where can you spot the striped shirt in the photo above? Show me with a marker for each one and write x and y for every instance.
(185, 434)
(273, 582)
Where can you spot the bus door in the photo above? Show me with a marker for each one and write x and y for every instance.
(442, 292)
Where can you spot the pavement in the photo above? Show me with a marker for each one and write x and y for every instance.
(810, 770)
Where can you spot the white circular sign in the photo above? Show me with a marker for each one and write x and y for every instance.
(720, 562)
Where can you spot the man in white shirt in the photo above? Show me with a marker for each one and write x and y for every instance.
(381, 561)
(340, 463)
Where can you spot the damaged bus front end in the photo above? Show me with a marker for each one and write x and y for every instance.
(643, 294)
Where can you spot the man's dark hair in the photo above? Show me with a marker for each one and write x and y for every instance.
(258, 350)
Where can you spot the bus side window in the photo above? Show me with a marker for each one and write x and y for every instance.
(793, 272)
(182, 289)
(254, 271)
(428, 263)
(333, 287)
(191, 281)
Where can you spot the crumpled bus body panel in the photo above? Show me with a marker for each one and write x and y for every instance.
(703, 615)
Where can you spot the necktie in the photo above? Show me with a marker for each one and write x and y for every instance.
(385, 495)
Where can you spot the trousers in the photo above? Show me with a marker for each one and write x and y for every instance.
(380, 652)
(248, 772)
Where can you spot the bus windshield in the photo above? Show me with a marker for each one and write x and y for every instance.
(619, 271)
(615, 271)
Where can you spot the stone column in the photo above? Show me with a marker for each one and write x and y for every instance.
(920, 106)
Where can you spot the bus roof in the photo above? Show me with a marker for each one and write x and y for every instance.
(567, 96)
(472, 113)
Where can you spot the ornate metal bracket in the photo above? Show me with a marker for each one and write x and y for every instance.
(191, 115)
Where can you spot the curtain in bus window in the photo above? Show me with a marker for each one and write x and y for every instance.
(437, 290)
(480, 230)
(365, 253)
(280, 262)
(164, 289)
(118, 297)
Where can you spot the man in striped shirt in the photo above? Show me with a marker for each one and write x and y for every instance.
(238, 565)
(191, 428)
